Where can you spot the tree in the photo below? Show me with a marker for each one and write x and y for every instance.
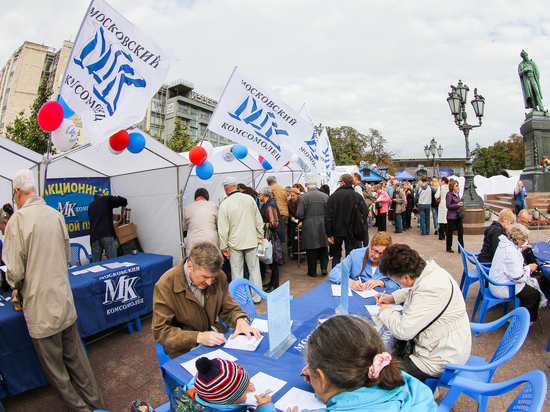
(26, 131)
(489, 161)
(377, 152)
(179, 141)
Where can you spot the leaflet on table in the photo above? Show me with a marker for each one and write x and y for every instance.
(337, 290)
(300, 398)
(218, 353)
(374, 309)
(366, 293)
(262, 383)
(278, 315)
(241, 342)
(116, 265)
(263, 324)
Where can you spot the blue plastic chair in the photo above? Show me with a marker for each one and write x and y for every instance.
(478, 369)
(240, 291)
(469, 275)
(76, 259)
(163, 357)
(487, 299)
(530, 398)
(162, 408)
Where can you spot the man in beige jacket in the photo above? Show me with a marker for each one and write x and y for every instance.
(37, 253)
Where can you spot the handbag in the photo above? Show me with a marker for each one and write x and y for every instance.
(277, 247)
(378, 205)
(460, 214)
(402, 349)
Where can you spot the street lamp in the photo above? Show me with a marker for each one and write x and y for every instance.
(431, 149)
(457, 103)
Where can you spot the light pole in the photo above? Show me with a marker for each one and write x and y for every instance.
(431, 149)
(457, 104)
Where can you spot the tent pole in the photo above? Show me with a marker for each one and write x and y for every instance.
(179, 197)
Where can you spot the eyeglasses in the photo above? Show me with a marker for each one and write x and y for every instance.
(376, 252)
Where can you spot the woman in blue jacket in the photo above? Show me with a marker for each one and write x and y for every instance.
(363, 266)
(519, 197)
(350, 370)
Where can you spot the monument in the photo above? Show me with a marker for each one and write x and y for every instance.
(535, 129)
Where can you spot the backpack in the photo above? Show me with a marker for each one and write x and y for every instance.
(359, 223)
(367, 195)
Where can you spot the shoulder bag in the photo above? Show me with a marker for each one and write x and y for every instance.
(402, 349)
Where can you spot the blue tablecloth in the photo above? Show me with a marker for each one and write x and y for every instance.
(305, 311)
(544, 255)
(20, 369)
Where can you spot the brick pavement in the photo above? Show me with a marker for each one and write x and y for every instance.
(126, 366)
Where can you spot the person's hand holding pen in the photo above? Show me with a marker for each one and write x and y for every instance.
(264, 397)
(213, 338)
(383, 299)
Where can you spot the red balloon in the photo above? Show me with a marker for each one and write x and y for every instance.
(260, 159)
(120, 140)
(50, 116)
(197, 155)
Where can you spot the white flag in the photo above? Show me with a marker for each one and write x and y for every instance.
(113, 72)
(327, 165)
(252, 116)
(308, 149)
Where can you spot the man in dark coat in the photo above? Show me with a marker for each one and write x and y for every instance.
(339, 217)
(102, 230)
(311, 214)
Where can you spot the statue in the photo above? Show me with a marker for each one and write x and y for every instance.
(530, 83)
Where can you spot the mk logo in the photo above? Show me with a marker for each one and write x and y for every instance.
(67, 210)
(326, 155)
(312, 143)
(260, 119)
(110, 67)
(122, 291)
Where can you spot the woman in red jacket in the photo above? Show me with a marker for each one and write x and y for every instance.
(382, 198)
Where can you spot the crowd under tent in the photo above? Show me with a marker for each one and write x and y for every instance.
(151, 181)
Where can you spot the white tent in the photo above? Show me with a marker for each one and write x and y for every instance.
(15, 157)
(152, 181)
(248, 171)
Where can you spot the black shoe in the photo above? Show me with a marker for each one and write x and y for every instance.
(269, 289)
(436, 232)
(324, 273)
(450, 251)
(313, 276)
(266, 286)
(395, 231)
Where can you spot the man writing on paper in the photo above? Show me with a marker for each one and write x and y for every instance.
(188, 300)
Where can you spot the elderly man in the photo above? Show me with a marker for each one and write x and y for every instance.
(523, 217)
(240, 227)
(280, 195)
(37, 253)
(311, 214)
(188, 300)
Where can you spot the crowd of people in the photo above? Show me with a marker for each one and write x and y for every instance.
(348, 365)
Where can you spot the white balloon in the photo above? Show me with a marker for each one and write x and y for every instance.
(208, 147)
(294, 158)
(65, 136)
(113, 151)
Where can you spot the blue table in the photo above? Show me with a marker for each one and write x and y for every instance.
(544, 255)
(305, 311)
(97, 297)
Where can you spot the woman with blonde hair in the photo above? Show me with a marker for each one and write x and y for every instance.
(492, 234)
(519, 197)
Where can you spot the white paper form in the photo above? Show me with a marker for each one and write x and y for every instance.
(218, 353)
(337, 290)
(79, 272)
(241, 342)
(300, 398)
(96, 269)
(262, 383)
(366, 293)
(116, 265)
(374, 309)
(263, 324)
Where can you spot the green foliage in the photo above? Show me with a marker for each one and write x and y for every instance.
(489, 161)
(26, 131)
(179, 141)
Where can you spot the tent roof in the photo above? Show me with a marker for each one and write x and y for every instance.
(102, 161)
(404, 175)
(15, 157)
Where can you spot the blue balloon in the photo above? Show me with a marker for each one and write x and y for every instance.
(239, 151)
(266, 165)
(205, 171)
(137, 142)
(67, 112)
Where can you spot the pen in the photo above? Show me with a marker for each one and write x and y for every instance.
(266, 393)
(215, 329)
(382, 295)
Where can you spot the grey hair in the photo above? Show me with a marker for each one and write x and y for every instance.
(206, 256)
(271, 179)
(517, 231)
(311, 183)
(266, 191)
(24, 181)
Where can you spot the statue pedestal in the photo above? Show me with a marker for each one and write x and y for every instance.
(536, 143)
(474, 220)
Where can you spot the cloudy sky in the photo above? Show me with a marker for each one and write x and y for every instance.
(386, 65)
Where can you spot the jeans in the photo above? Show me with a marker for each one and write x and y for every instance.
(434, 215)
(398, 222)
(108, 243)
(424, 217)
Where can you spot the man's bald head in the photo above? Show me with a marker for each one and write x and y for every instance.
(523, 217)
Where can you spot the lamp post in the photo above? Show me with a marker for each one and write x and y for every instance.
(457, 103)
(431, 149)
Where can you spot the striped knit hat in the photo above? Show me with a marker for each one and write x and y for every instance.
(220, 381)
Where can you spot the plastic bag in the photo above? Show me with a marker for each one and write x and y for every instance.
(265, 252)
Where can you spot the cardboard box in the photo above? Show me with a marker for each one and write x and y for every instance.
(125, 233)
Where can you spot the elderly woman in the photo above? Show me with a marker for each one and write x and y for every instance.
(434, 312)
(441, 194)
(292, 204)
(508, 267)
(492, 234)
(363, 265)
(453, 203)
(382, 199)
(350, 370)
(272, 220)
